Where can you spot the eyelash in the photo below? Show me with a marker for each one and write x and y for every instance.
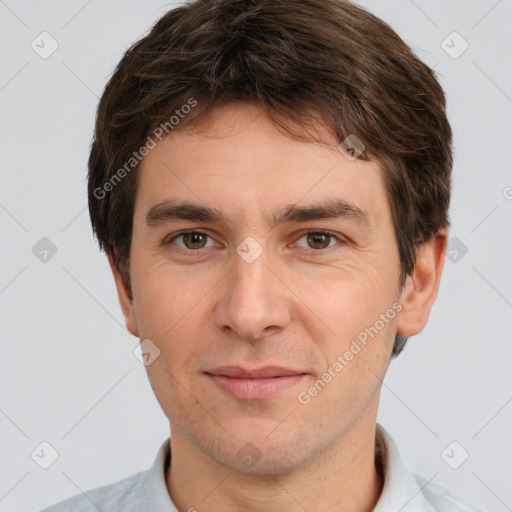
(309, 232)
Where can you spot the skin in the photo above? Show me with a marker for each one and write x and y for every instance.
(296, 305)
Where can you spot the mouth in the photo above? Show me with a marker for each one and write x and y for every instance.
(255, 384)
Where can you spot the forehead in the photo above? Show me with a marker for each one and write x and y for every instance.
(237, 159)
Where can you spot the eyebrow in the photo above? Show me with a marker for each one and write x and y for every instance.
(169, 211)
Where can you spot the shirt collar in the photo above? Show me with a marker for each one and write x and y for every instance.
(153, 489)
(402, 491)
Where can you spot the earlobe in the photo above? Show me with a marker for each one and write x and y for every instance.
(421, 288)
(125, 298)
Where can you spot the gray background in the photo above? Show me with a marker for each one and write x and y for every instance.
(68, 373)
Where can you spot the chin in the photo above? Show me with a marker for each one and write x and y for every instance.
(261, 453)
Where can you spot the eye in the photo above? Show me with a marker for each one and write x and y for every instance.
(319, 239)
(191, 240)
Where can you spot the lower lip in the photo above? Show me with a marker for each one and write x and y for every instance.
(255, 389)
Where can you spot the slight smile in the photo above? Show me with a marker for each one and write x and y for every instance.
(257, 384)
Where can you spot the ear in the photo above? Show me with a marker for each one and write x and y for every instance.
(420, 290)
(125, 299)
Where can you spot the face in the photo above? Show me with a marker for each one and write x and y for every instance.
(265, 271)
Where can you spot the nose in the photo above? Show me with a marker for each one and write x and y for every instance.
(253, 301)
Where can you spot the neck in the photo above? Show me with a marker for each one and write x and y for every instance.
(343, 477)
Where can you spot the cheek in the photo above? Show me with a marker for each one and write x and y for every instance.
(357, 343)
(345, 302)
(168, 311)
(165, 301)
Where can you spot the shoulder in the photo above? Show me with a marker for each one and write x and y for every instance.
(406, 491)
(121, 495)
(139, 492)
(441, 499)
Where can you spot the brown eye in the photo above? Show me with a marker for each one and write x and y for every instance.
(318, 240)
(194, 240)
(191, 240)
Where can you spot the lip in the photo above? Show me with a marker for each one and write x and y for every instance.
(239, 372)
(255, 384)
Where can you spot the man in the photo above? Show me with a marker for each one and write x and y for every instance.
(270, 181)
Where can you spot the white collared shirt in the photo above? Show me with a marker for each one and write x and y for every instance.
(147, 492)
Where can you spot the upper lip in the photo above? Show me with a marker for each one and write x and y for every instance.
(261, 373)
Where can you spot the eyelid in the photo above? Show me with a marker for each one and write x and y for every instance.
(169, 239)
(341, 240)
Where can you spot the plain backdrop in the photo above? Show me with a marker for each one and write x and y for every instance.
(68, 373)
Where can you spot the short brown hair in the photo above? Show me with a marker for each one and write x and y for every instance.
(299, 61)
